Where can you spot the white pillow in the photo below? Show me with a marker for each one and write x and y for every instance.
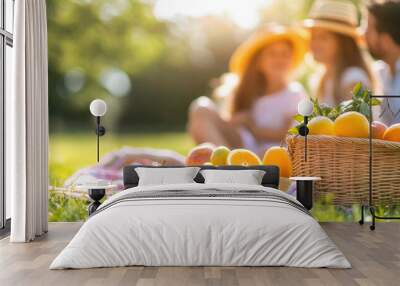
(248, 177)
(166, 176)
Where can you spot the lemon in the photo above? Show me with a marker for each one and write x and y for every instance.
(321, 125)
(219, 156)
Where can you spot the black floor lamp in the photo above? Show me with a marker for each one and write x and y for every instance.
(305, 185)
(98, 108)
(370, 205)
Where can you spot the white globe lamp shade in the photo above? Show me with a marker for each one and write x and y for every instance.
(98, 107)
(305, 107)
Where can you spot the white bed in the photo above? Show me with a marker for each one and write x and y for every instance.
(269, 229)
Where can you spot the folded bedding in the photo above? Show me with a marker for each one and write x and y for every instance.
(201, 225)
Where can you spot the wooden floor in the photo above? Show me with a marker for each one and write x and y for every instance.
(375, 257)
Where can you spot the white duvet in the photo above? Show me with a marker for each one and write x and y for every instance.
(200, 231)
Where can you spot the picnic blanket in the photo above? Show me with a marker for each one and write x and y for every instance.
(110, 166)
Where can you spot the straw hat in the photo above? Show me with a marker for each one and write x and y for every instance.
(335, 15)
(264, 37)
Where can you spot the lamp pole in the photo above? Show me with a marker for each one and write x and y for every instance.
(98, 137)
(98, 108)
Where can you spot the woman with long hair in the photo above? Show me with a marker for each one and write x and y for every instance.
(336, 43)
(262, 105)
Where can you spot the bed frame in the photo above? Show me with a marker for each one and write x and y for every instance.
(270, 179)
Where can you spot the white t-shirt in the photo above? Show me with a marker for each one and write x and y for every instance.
(351, 75)
(272, 111)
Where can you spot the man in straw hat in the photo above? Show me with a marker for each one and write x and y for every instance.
(383, 39)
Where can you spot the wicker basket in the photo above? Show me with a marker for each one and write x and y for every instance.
(343, 165)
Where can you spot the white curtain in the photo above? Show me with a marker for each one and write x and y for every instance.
(27, 123)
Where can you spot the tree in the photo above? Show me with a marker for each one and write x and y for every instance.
(90, 37)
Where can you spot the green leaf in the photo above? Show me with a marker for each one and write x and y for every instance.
(364, 109)
(293, 131)
(298, 118)
(325, 110)
(375, 101)
(356, 89)
(365, 95)
(317, 107)
(346, 104)
(335, 112)
(338, 109)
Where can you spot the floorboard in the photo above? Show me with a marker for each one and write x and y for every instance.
(374, 255)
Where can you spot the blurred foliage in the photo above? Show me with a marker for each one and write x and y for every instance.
(166, 68)
(85, 36)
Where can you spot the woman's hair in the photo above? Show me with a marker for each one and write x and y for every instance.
(349, 54)
(252, 84)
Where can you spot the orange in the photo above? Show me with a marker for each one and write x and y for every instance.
(378, 129)
(279, 156)
(392, 133)
(352, 124)
(321, 125)
(243, 157)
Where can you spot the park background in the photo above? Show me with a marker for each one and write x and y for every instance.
(148, 59)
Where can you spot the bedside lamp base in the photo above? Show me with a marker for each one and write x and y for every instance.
(95, 195)
(304, 193)
(305, 189)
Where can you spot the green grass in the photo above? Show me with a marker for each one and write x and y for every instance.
(63, 208)
(70, 152)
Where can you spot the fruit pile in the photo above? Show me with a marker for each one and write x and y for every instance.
(353, 124)
(208, 154)
(349, 119)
